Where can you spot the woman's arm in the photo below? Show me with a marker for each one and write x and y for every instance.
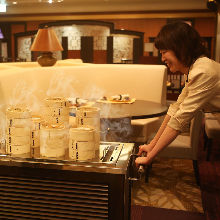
(168, 135)
(172, 110)
(148, 147)
(161, 130)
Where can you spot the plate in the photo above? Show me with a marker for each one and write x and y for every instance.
(116, 101)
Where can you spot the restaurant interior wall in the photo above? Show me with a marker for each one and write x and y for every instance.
(150, 26)
(78, 36)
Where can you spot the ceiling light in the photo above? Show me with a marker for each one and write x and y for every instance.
(2, 7)
(50, 1)
(14, 3)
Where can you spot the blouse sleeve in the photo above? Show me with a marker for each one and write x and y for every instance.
(201, 88)
(175, 106)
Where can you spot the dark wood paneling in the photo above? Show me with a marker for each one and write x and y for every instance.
(137, 50)
(100, 56)
(32, 52)
(65, 47)
(149, 60)
(6, 31)
(110, 49)
(87, 49)
(78, 22)
(74, 54)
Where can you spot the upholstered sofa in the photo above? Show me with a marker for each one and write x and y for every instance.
(28, 83)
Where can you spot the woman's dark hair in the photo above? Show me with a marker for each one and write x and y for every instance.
(183, 40)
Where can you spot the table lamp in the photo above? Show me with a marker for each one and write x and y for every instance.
(46, 42)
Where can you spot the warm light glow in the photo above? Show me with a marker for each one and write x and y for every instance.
(2, 7)
(51, 1)
(46, 41)
(14, 3)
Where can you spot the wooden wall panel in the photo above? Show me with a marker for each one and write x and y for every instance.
(205, 26)
(150, 27)
(33, 25)
(86, 52)
(65, 48)
(74, 54)
(109, 49)
(136, 50)
(15, 28)
(99, 56)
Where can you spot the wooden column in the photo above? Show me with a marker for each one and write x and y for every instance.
(65, 48)
(136, 50)
(110, 49)
(87, 49)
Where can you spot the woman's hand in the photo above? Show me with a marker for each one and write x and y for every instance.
(145, 148)
(144, 160)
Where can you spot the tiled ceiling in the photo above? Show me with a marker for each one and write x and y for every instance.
(75, 6)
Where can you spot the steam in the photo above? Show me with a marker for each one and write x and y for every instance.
(114, 121)
(115, 129)
(92, 92)
(24, 96)
(61, 86)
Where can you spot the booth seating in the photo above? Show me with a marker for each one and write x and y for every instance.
(29, 84)
(212, 132)
(145, 129)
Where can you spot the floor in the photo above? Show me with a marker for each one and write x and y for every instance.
(171, 185)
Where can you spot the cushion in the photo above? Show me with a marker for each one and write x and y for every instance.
(210, 116)
(212, 128)
(142, 129)
(179, 148)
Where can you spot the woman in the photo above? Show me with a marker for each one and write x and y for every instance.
(182, 50)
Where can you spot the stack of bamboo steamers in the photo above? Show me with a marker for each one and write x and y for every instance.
(50, 136)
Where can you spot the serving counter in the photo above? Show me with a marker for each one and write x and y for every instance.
(62, 189)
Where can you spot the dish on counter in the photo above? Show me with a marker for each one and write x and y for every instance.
(117, 99)
(78, 102)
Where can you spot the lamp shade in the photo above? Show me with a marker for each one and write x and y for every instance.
(46, 40)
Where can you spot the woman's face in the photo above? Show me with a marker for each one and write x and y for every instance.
(169, 58)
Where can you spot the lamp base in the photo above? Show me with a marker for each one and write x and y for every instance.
(46, 59)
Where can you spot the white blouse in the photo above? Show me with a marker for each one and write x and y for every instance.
(202, 91)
